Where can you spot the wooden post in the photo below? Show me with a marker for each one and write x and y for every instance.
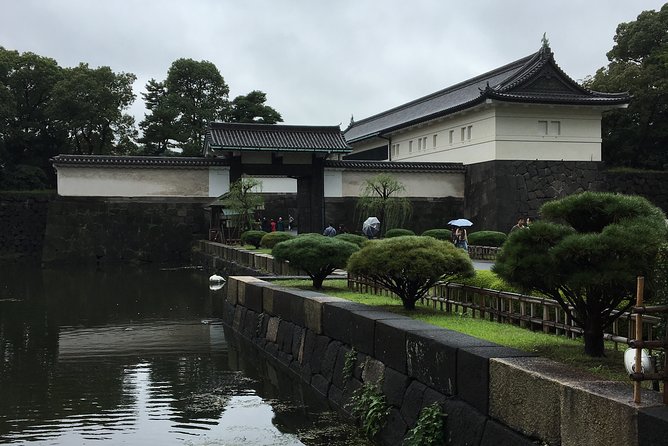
(638, 367)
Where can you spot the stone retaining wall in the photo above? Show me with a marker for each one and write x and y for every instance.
(23, 222)
(493, 395)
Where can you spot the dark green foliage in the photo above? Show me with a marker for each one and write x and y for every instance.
(316, 254)
(23, 177)
(244, 201)
(660, 285)
(429, 430)
(272, 238)
(252, 108)
(586, 255)
(409, 265)
(637, 136)
(487, 238)
(369, 404)
(353, 238)
(398, 232)
(252, 238)
(440, 234)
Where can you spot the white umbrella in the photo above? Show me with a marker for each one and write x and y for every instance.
(460, 222)
(371, 226)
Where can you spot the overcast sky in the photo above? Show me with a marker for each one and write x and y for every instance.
(318, 61)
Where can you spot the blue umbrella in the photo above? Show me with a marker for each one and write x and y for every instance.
(460, 222)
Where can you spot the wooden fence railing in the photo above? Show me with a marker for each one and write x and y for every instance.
(535, 313)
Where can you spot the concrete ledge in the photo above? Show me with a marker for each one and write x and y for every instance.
(493, 395)
(473, 372)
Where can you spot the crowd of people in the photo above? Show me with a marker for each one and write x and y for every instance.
(270, 225)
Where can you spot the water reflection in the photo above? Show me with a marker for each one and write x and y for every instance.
(136, 356)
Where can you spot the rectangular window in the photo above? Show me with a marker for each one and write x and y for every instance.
(469, 129)
(463, 134)
(433, 144)
(542, 127)
(555, 128)
(410, 146)
(451, 137)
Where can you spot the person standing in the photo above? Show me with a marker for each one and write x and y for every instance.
(521, 223)
(280, 225)
(272, 224)
(461, 239)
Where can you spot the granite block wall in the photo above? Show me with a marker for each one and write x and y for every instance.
(23, 224)
(492, 395)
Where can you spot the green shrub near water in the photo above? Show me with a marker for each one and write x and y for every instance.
(439, 234)
(487, 238)
(315, 254)
(398, 232)
(252, 238)
(272, 238)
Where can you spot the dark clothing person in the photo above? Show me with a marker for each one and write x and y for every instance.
(329, 231)
(265, 225)
(280, 225)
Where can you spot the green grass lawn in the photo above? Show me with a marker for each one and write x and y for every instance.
(558, 348)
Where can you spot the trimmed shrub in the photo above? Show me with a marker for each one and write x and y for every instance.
(398, 232)
(353, 238)
(487, 238)
(315, 254)
(252, 238)
(409, 265)
(489, 280)
(270, 239)
(439, 234)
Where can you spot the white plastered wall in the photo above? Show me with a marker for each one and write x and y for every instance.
(141, 182)
(502, 131)
(418, 184)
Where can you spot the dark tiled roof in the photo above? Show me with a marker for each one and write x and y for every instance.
(274, 137)
(533, 79)
(395, 166)
(135, 161)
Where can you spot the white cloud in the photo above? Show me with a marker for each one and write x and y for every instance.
(319, 62)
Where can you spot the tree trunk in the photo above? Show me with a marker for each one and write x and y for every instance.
(317, 281)
(408, 304)
(593, 337)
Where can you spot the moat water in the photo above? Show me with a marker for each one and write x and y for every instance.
(137, 356)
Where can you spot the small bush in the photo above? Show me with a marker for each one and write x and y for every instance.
(487, 238)
(410, 265)
(252, 238)
(316, 254)
(353, 238)
(439, 234)
(270, 239)
(398, 232)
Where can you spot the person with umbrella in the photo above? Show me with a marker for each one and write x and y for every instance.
(371, 227)
(460, 238)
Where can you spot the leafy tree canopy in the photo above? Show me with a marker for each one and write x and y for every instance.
(409, 265)
(381, 196)
(315, 254)
(637, 136)
(244, 199)
(586, 253)
(252, 108)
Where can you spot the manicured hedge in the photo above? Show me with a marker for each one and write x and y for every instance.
(252, 238)
(398, 232)
(487, 238)
(352, 238)
(440, 234)
(272, 238)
